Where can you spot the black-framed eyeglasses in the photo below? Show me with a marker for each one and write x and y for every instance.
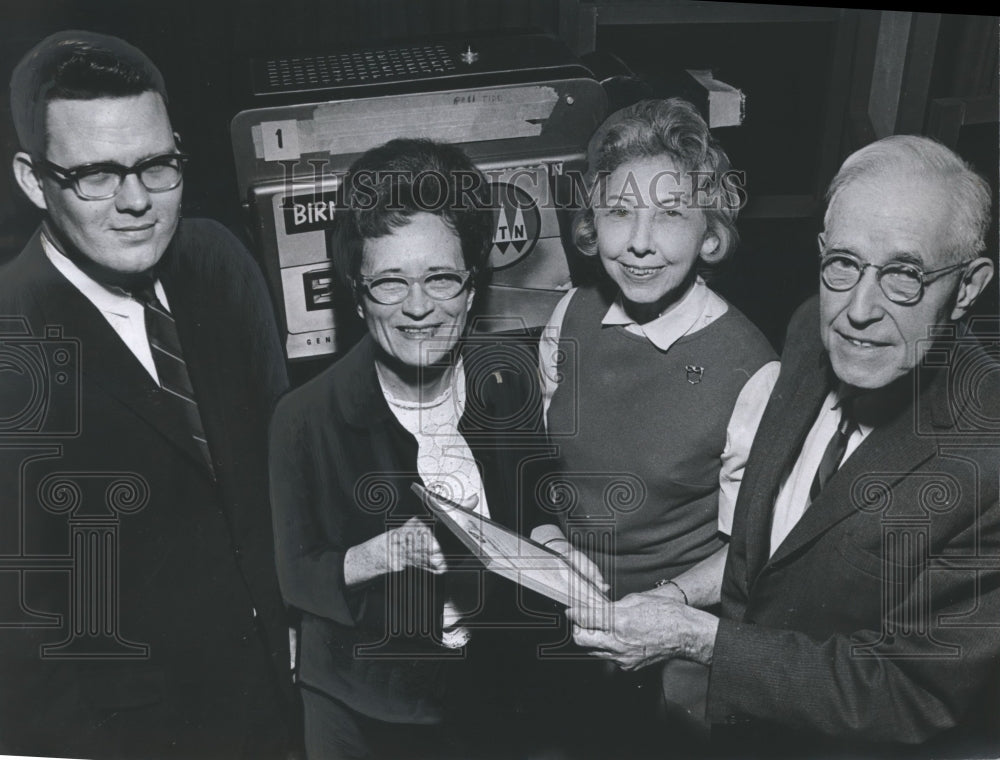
(389, 289)
(98, 182)
(902, 283)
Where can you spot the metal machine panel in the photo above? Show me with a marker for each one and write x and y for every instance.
(291, 160)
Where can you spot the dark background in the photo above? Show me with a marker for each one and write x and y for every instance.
(809, 75)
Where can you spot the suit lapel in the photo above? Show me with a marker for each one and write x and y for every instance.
(105, 360)
(786, 423)
(884, 458)
(887, 455)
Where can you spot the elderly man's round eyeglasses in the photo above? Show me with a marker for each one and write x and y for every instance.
(98, 182)
(902, 283)
(394, 288)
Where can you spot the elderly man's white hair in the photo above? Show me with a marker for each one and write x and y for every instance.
(903, 156)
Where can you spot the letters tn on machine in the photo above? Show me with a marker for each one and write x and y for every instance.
(522, 107)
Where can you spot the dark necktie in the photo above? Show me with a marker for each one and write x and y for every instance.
(835, 450)
(165, 345)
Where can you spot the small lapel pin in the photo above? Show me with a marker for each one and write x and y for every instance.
(694, 373)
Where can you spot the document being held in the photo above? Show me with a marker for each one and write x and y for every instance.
(510, 554)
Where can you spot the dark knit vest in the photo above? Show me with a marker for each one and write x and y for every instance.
(641, 433)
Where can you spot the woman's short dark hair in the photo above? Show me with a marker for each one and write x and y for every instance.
(671, 128)
(388, 185)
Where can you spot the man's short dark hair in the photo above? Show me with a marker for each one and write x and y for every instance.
(389, 184)
(75, 65)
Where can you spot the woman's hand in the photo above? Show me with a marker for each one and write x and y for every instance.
(410, 545)
(413, 545)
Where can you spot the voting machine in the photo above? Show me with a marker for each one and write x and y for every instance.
(522, 107)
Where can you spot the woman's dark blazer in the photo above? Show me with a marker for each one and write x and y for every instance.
(341, 467)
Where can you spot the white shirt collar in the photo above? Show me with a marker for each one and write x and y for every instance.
(698, 307)
(106, 299)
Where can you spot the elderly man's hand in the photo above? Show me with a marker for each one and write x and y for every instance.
(644, 629)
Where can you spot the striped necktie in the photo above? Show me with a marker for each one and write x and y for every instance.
(835, 449)
(165, 345)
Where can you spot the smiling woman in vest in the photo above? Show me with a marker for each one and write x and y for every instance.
(654, 384)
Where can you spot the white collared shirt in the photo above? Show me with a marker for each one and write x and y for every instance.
(699, 307)
(793, 496)
(126, 315)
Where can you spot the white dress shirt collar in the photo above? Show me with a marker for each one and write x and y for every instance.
(104, 298)
(124, 314)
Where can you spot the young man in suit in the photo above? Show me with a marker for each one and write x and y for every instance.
(149, 621)
(861, 596)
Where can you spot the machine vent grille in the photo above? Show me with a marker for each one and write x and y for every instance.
(362, 67)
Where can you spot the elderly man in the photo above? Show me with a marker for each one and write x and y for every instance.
(861, 596)
(154, 625)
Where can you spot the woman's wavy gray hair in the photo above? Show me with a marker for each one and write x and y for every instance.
(671, 128)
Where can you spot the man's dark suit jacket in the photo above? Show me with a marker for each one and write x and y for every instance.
(875, 627)
(195, 663)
